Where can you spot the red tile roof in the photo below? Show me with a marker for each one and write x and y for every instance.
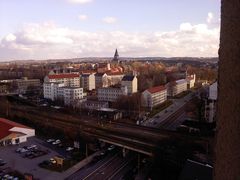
(114, 73)
(156, 89)
(6, 125)
(61, 76)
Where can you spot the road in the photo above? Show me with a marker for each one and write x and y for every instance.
(113, 165)
(170, 117)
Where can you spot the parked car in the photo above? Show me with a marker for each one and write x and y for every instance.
(111, 148)
(53, 161)
(24, 150)
(33, 146)
(50, 140)
(69, 149)
(18, 150)
(56, 142)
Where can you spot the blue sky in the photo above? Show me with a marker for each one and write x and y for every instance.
(28, 26)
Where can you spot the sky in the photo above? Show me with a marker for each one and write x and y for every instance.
(52, 29)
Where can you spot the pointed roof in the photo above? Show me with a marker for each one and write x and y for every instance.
(116, 54)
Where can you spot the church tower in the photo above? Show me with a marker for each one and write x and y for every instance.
(116, 57)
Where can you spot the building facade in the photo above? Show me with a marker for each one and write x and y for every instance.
(154, 96)
(210, 104)
(101, 80)
(88, 81)
(94, 105)
(131, 83)
(191, 79)
(70, 79)
(114, 78)
(111, 94)
(176, 87)
(13, 133)
(24, 85)
(72, 95)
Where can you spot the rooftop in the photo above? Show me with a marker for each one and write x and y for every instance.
(62, 76)
(128, 78)
(6, 125)
(156, 89)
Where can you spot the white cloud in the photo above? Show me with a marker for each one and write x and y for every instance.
(47, 40)
(210, 17)
(82, 17)
(80, 1)
(10, 37)
(109, 20)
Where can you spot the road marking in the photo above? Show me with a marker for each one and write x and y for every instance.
(100, 167)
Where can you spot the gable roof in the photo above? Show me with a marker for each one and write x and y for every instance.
(128, 78)
(6, 125)
(156, 89)
(62, 76)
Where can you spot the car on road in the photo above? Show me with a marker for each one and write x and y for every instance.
(33, 146)
(69, 149)
(56, 142)
(2, 162)
(111, 148)
(50, 140)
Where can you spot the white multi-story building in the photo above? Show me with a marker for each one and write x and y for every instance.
(101, 80)
(131, 83)
(191, 79)
(210, 105)
(88, 81)
(111, 94)
(176, 87)
(72, 95)
(154, 96)
(24, 84)
(114, 78)
(57, 91)
(52, 90)
(70, 79)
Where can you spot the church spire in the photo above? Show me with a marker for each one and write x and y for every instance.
(116, 57)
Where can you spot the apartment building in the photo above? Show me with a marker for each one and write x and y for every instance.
(114, 78)
(111, 94)
(131, 83)
(191, 79)
(176, 87)
(88, 81)
(68, 79)
(210, 104)
(101, 80)
(52, 90)
(72, 95)
(58, 91)
(24, 85)
(154, 96)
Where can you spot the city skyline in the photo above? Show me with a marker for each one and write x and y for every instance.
(93, 28)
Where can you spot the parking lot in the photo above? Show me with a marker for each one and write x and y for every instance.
(29, 164)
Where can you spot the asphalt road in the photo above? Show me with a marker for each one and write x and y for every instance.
(168, 115)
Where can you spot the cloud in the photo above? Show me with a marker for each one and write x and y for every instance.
(109, 20)
(80, 1)
(210, 17)
(82, 17)
(49, 41)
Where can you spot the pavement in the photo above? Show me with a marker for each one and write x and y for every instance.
(24, 165)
